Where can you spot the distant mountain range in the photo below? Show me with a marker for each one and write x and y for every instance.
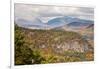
(55, 23)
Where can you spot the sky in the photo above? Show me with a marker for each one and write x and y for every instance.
(32, 12)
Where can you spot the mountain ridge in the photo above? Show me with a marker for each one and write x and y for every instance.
(53, 23)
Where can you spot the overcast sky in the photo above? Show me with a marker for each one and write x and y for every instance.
(45, 13)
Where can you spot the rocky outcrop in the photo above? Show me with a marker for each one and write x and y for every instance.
(72, 46)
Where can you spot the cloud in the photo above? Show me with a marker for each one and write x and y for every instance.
(45, 13)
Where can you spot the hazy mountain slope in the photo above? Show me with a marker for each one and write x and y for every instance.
(73, 22)
(36, 24)
(78, 24)
(53, 23)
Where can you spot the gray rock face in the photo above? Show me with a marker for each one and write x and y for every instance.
(71, 46)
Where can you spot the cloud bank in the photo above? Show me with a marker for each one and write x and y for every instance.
(45, 13)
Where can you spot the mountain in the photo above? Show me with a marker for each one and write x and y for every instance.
(36, 24)
(78, 24)
(90, 26)
(73, 22)
(50, 46)
(65, 22)
(56, 22)
(57, 41)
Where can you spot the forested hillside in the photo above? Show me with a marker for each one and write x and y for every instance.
(50, 46)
